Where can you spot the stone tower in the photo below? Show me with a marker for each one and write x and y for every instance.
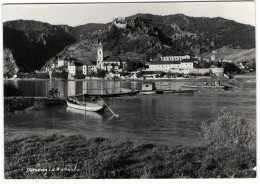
(100, 55)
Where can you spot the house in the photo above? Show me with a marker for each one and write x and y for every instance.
(61, 62)
(76, 66)
(212, 57)
(114, 63)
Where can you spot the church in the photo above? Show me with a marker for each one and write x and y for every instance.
(109, 63)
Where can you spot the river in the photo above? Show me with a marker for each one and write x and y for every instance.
(169, 119)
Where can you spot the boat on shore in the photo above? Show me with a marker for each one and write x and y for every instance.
(86, 104)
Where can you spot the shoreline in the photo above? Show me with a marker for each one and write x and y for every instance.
(197, 79)
(46, 154)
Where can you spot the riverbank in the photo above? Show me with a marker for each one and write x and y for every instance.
(46, 154)
(178, 79)
(21, 103)
(251, 75)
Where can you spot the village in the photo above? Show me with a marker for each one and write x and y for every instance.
(117, 67)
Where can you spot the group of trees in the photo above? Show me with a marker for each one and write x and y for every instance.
(99, 73)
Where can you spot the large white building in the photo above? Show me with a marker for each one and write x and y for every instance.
(165, 66)
(75, 66)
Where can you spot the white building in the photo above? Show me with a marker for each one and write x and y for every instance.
(212, 57)
(165, 66)
(61, 62)
(74, 67)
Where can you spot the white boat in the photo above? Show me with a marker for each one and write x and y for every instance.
(90, 104)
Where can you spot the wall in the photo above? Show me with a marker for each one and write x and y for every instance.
(202, 71)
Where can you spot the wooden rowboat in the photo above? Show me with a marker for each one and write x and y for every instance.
(90, 104)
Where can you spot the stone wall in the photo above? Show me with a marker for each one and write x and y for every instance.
(200, 71)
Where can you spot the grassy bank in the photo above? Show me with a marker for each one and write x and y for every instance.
(229, 152)
(49, 155)
(20, 103)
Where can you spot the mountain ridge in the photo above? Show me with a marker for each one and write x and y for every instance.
(143, 35)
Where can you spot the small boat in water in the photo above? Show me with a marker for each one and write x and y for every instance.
(209, 87)
(122, 92)
(86, 104)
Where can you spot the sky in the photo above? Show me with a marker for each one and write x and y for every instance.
(78, 14)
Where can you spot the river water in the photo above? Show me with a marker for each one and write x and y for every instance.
(166, 119)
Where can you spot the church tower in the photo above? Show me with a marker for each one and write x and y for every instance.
(100, 55)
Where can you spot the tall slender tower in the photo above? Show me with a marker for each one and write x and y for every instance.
(100, 55)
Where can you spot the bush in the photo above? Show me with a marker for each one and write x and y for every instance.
(101, 73)
(79, 75)
(11, 90)
(229, 129)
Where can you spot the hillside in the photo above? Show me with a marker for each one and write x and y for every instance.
(143, 35)
(236, 55)
(32, 42)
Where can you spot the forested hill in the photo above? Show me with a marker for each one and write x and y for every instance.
(148, 36)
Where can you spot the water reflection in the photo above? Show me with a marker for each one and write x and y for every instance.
(167, 119)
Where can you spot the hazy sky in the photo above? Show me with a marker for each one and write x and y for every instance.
(78, 14)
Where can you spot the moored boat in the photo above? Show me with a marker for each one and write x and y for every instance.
(122, 92)
(148, 88)
(87, 104)
(209, 87)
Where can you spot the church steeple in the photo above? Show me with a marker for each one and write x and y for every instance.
(100, 55)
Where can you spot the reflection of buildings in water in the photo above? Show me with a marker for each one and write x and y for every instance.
(84, 87)
(79, 87)
(71, 88)
(61, 87)
(134, 85)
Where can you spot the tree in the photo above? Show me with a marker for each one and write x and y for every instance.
(101, 73)
(79, 75)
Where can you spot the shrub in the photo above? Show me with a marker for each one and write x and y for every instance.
(229, 129)
(101, 73)
(79, 75)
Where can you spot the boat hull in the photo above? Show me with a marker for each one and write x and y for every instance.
(88, 107)
(122, 93)
(210, 87)
(147, 92)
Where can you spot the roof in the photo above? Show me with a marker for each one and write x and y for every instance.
(164, 62)
(109, 64)
(177, 56)
(134, 59)
(187, 60)
(111, 59)
(115, 59)
(78, 64)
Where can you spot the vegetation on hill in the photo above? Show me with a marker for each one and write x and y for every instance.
(33, 43)
(147, 36)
